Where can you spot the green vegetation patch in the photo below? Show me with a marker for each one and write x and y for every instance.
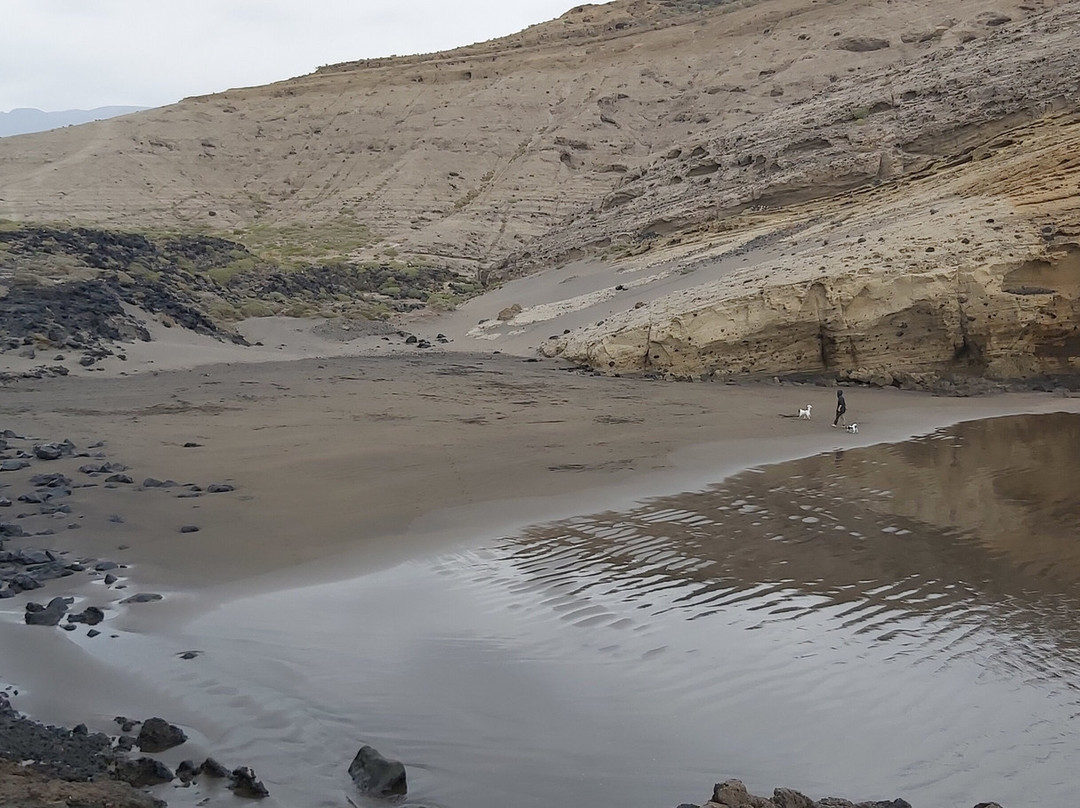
(299, 243)
(207, 283)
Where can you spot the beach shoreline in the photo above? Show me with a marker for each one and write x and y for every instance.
(340, 466)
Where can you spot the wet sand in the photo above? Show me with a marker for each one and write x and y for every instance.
(356, 469)
(380, 458)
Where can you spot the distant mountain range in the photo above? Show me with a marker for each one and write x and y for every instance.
(23, 121)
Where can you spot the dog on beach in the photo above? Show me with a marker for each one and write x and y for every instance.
(804, 412)
(852, 428)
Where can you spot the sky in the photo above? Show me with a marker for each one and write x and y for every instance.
(82, 54)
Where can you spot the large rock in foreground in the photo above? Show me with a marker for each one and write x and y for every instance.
(373, 774)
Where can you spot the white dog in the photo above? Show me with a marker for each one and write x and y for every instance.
(805, 412)
(852, 428)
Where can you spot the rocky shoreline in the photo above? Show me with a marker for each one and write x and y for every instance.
(94, 769)
(43, 765)
(75, 765)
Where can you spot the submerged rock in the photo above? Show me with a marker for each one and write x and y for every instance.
(142, 597)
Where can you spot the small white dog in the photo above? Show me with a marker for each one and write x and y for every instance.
(805, 412)
(852, 428)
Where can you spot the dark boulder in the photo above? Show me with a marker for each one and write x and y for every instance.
(55, 480)
(157, 735)
(91, 616)
(48, 451)
(28, 557)
(143, 772)
(186, 771)
(13, 465)
(243, 783)
(211, 768)
(46, 572)
(38, 615)
(219, 488)
(102, 468)
(376, 775)
(22, 582)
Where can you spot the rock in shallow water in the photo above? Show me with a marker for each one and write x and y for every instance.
(143, 772)
(243, 783)
(376, 775)
(38, 615)
(157, 735)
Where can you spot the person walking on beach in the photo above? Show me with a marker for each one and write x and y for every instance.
(841, 408)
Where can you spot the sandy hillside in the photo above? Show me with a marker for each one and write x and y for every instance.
(471, 155)
(880, 192)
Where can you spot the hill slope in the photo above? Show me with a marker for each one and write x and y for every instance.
(475, 153)
(647, 130)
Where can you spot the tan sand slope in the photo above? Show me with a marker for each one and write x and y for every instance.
(608, 123)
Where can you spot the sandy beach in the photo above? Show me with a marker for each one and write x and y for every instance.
(378, 457)
(350, 465)
(452, 404)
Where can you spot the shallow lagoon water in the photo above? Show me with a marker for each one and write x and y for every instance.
(896, 620)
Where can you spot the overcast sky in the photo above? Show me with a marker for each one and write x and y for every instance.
(82, 54)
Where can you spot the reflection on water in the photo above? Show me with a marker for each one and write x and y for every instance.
(914, 572)
(896, 620)
(973, 532)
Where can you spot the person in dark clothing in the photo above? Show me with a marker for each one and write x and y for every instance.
(841, 408)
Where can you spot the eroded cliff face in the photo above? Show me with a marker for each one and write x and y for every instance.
(970, 269)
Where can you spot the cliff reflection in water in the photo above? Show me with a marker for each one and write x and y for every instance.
(945, 545)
